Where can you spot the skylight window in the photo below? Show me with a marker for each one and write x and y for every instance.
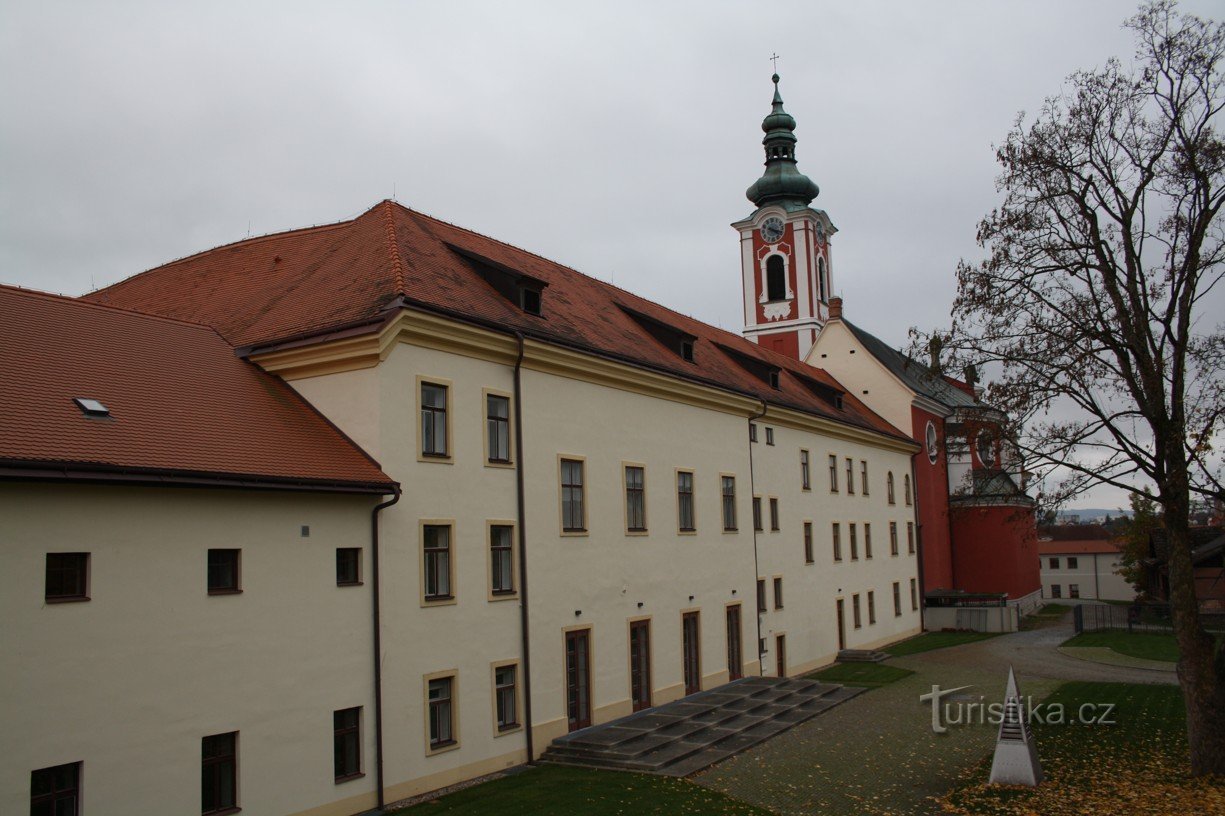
(91, 407)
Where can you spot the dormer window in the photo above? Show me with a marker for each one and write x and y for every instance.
(687, 350)
(529, 299)
(676, 340)
(774, 379)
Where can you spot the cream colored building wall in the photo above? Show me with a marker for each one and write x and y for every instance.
(841, 354)
(1096, 579)
(130, 681)
(810, 591)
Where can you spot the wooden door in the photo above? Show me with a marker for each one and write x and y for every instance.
(640, 664)
(692, 652)
(578, 678)
(841, 626)
(735, 654)
(780, 650)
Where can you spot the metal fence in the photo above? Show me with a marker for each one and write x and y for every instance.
(1153, 618)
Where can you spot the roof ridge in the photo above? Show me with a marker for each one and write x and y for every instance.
(80, 301)
(393, 241)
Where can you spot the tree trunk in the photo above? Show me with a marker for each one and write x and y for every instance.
(1201, 671)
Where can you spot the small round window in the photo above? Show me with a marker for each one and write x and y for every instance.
(932, 441)
(986, 448)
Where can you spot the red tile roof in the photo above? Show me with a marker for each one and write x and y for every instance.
(183, 406)
(1073, 532)
(1078, 547)
(294, 284)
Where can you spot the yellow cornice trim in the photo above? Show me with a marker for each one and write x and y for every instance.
(791, 418)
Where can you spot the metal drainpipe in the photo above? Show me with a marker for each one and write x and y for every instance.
(914, 495)
(378, 646)
(523, 615)
(761, 668)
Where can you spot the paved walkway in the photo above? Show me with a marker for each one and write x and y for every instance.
(877, 754)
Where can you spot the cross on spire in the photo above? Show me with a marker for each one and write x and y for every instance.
(774, 59)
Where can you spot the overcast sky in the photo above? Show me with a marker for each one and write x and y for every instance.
(618, 140)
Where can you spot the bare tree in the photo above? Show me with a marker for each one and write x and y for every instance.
(1091, 303)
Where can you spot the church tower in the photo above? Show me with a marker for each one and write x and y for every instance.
(784, 247)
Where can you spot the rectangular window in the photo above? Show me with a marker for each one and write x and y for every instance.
(1056, 591)
(837, 541)
(769, 436)
(914, 594)
(757, 513)
(635, 499)
(761, 594)
(1054, 562)
(805, 475)
(1073, 590)
(728, 487)
(867, 540)
(219, 773)
(505, 698)
(833, 473)
(897, 599)
(808, 555)
(347, 743)
(224, 567)
(752, 432)
(889, 487)
(893, 538)
(778, 593)
(871, 607)
(850, 476)
(497, 421)
(56, 791)
(436, 540)
(855, 611)
(863, 477)
(67, 577)
(684, 501)
(906, 487)
(854, 542)
(573, 518)
(348, 566)
(910, 537)
(774, 514)
(433, 419)
(442, 713)
(501, 560)
(1072, 562)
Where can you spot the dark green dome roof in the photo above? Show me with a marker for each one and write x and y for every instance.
(782, 180)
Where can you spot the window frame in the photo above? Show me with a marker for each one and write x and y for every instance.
(356, 554)
(562, 486)
(910, 542)
(833, 473)
(80, 576)
(347, 732)
(778, 592)
(763, 603)
(809, 554)
(758, 521)
(805, 471)
(229, 589)
(627, 495)
(447, 412)
(681, 528)
(501, 594)
(855, 611)
(863, 477)
(55, 794)
(867, 541)
(433, 746)
(1052, 563)
(907, 489)
(725, 504)
(853, 539)
(1073, 562)
(436, 599)
(221, 760)
(871, 607)
(752, 431)
(490, 459)
(502, 729)
(914, 594)
(836, 540)
(893, 542)
(890, 495)
(774, 514)
(897, 599)
(850, 476)
(770, 432)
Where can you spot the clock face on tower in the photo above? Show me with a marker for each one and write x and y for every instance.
(772, 229)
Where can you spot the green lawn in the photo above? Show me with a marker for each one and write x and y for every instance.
(1137, 765)
(935, 640)
(867, 675)
(1052, 610)
(552, 790)
(1147, 646)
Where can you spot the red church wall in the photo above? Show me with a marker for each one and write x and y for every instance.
(785, 343)
(932, 492)
(996, 550)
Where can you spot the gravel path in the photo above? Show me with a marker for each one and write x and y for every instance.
(877, 753)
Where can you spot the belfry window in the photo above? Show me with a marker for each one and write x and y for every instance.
(776, 278)
(821, 281)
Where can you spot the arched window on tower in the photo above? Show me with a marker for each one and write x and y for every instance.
(776, 278)
(822, 287)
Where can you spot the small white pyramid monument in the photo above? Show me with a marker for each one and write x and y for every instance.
(1016, 756)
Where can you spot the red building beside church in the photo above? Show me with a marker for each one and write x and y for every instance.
(977, 530)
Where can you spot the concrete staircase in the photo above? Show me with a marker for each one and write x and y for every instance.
(861, 656)
(688, 735)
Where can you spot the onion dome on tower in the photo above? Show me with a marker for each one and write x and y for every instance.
(782, 182)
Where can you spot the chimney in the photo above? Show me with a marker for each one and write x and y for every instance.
(971, 376)
(835, 308)
(933, 349)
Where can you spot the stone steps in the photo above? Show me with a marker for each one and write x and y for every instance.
(688, 735)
